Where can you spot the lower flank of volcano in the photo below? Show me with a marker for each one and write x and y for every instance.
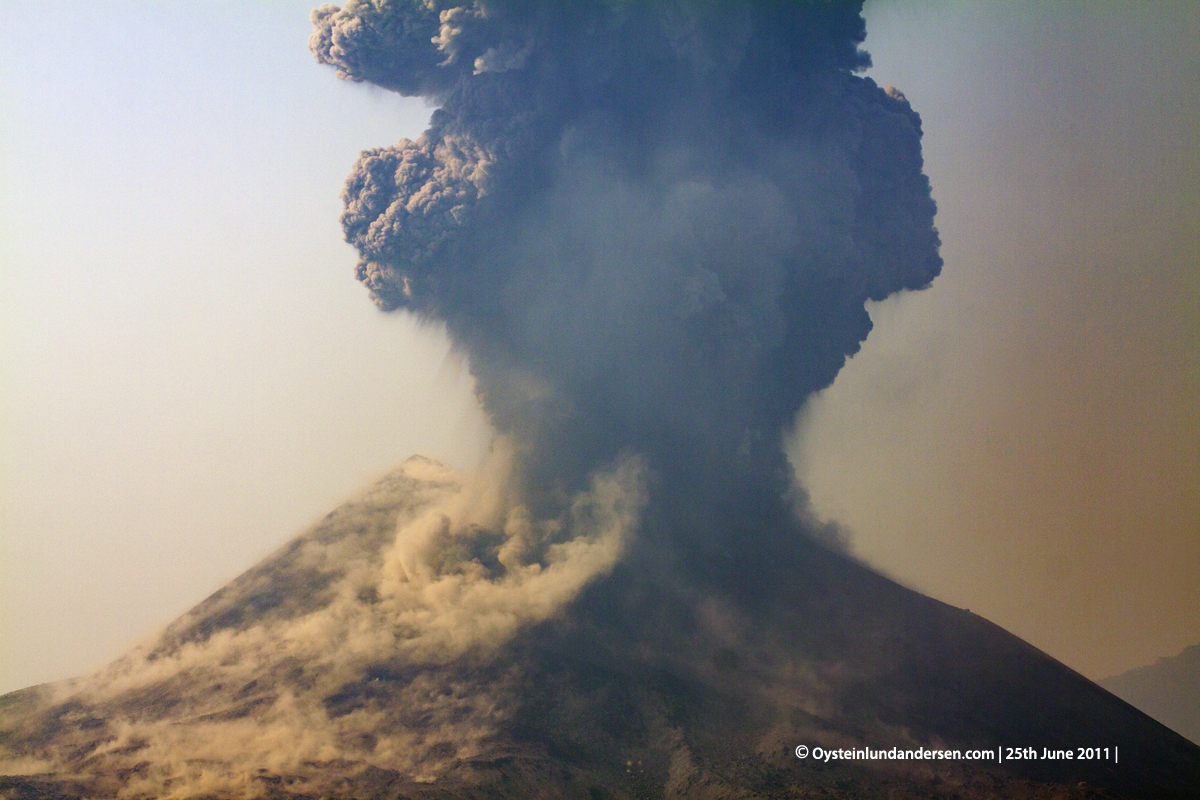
(385, 653)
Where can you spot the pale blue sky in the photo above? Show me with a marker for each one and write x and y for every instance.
(189, 372)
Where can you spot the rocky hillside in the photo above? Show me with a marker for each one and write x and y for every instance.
(386, 653)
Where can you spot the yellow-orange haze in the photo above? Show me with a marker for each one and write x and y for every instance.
(1024, 439)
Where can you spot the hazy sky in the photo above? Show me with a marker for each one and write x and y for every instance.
(171, 414)
(1023, 439)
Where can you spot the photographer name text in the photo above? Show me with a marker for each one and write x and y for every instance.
(997, 754)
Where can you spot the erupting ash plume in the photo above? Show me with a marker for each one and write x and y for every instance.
(651, 225)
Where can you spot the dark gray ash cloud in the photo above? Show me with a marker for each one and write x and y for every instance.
(652, 226)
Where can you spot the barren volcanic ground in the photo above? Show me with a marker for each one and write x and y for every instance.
(380, 655)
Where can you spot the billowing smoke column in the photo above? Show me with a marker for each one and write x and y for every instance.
(651, 224)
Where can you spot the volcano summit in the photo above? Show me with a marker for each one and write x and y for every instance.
(383, 654)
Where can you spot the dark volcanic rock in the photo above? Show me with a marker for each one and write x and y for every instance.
(321, 673)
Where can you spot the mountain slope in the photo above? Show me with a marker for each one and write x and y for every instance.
(382, 654)
(1168, 690)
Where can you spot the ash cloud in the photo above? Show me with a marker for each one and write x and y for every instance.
(652, 227)
(392, 659)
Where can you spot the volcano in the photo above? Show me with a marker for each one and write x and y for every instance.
(380, 654)
(651, 229)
